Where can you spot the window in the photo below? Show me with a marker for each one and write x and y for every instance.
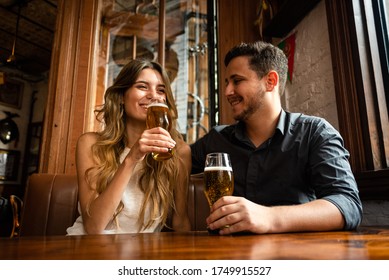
(359, 45)
(380, 9)
(132, 29)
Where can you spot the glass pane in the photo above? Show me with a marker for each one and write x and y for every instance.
(129, 29)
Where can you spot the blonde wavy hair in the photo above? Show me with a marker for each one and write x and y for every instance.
(157, 179)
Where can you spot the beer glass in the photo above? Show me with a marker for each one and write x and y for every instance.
(218, 178)
(158, 115)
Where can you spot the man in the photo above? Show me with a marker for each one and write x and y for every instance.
(291, 171)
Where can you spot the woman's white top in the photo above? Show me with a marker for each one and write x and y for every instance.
(132, 200)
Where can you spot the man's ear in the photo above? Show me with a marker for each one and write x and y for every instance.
(271, 80)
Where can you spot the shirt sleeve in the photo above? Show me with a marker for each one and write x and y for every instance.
(331, 174)
(198, 154)
(211, 142)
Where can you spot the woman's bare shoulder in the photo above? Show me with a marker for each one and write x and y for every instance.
(84, 154)
(87, 139)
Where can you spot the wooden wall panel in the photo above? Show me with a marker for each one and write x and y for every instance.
(69, 104)
(83, 102)
(61, 84)
(235, 24)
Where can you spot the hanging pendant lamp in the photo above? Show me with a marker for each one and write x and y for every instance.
(12, 57)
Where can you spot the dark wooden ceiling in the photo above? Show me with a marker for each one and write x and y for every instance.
(34, 37)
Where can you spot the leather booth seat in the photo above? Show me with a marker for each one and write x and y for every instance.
(50, 204)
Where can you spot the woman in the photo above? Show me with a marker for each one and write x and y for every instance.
(121, 188)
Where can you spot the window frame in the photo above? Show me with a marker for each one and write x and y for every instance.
(360, 93)
(380, 13)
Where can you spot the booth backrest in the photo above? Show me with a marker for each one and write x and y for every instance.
(50, 204)
(198, 207)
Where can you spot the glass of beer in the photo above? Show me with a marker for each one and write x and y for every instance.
(218, 178)
(158, 115)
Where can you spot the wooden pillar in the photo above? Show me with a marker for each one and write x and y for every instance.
(235, 25)
(69, 101)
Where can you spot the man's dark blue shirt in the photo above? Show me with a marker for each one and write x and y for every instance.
(304, 160)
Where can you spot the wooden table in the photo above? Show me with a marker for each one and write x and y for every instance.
(365, 243)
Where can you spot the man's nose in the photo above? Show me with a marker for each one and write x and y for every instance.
(228, 90)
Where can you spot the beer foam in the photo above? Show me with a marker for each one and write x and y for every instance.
(157, 104)
(218, 168)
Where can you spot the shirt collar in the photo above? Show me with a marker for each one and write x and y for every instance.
(281, 122)
(240, 134)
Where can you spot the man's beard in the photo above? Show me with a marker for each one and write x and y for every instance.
(254, 104)
(245, 114)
